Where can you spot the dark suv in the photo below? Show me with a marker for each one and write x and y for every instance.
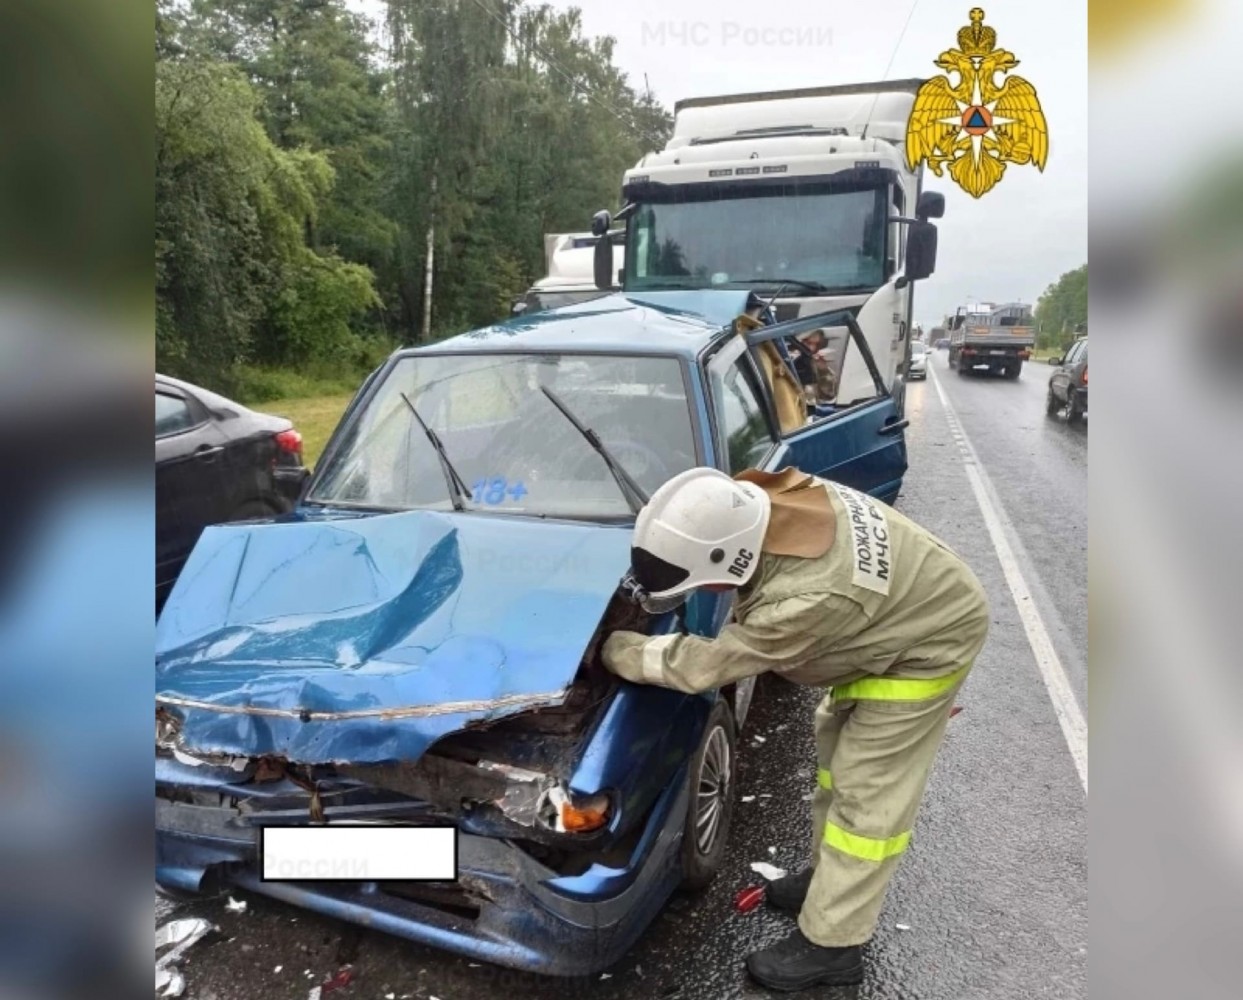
(1068, 386)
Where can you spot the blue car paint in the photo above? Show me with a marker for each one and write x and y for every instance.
(856, 453)
(245, 633)
(535, 921)
(652, 323)
(417, 624)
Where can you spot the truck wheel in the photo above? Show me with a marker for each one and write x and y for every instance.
(1013, 373)
(1051, 405)
(710, 803)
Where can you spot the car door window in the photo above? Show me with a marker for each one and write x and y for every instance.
(739, 414)
(1073, 354)
(172, 415)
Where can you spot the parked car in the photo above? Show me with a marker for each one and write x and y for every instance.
(943, 344)
(419, 642)
(215, 460)
(1068, 386)
(918, 367)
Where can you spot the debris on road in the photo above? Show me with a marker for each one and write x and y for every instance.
(772, 852)
(235, 905)
(770, 872)
(749, 898)
(903, 927)
(759, 739)
(177, 936)
(342, 979)
(169, 982)
(606, 975)
(955, 710)
(748, 798)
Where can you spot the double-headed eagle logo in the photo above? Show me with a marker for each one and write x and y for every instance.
(976, 126)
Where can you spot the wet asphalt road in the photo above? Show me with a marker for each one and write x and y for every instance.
(994, 887)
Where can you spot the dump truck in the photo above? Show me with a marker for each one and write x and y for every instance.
(991, 339)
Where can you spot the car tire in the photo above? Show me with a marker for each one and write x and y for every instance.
(1074, 415)
(710, 805)
(1013, 373)
(1052, 406)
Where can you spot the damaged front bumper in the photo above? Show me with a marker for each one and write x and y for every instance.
(507, 906)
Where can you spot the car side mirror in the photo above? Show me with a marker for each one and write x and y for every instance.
(921, 251)
(518, 308)
(1055, 361)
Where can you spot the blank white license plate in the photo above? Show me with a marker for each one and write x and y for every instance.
(998, 352)
(358, 853)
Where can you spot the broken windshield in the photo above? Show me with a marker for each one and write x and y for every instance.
(701, 236)
(515, 451)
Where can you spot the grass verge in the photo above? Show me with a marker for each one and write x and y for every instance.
(315, 417)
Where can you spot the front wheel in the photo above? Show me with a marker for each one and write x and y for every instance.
(711, 801)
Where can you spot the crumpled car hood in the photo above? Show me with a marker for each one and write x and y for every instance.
(365, 639)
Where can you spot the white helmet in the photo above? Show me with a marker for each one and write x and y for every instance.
(701, 527)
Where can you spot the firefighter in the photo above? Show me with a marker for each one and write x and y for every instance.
(836, 590)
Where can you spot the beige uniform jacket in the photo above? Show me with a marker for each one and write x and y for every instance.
(886, 598)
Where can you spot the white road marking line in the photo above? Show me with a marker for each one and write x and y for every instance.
(1065, 705)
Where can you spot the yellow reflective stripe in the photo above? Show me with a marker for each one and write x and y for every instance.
(867, 848)
(824, 778)
(897, 688)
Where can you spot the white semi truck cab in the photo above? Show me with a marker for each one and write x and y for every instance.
(802, 196)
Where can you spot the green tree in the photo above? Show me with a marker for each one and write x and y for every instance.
(1062, 311)
(315, 66)
(235, 278)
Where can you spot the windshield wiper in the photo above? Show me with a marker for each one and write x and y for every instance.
(632, 491)
(811, 286)
(457, 487)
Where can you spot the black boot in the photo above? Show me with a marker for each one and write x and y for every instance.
(787, 894)
(796, 963)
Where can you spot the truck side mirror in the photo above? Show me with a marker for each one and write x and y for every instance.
(602, 263)
(921, 251)
(600, 223)
(931, 205)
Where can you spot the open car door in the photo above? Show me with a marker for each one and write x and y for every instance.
(858, 437)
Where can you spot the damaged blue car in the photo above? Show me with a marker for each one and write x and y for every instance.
(418, 642)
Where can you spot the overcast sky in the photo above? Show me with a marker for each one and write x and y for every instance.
(1009, 244)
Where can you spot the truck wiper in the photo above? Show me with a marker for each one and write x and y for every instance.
(457, 487)
(632, 491)
(811, 286)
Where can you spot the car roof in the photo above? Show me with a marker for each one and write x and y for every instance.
(661, 323)
(212, 400)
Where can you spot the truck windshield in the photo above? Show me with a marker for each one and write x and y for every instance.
(708, 236)
(516, 453)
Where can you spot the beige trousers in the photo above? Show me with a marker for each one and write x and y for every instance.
(874, 759)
